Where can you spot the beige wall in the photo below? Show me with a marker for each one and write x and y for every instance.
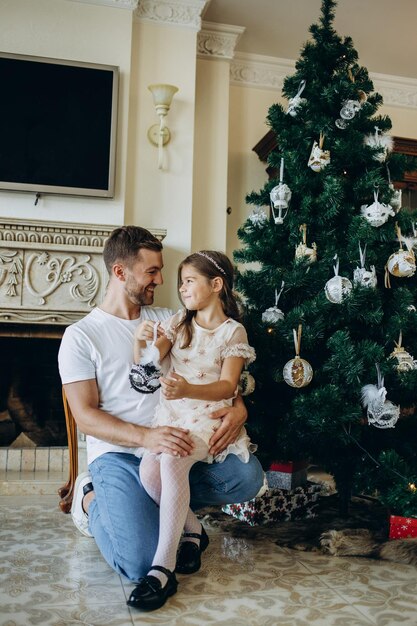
(80, 32)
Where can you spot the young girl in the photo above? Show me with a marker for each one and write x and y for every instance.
(208, 349)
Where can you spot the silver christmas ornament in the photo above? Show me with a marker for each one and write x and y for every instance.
(362, 276)
(377, 213)
(405, 362)
(381, 412)
(295, 103)
(384, 143)
(297, 372)
(338, 287)
(280, 197)
(273, 315)
(246, 384)
(258, 217)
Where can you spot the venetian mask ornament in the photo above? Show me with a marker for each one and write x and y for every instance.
(295, 103)
(377, 213)
(280, 198)
(273, 315)
(319, 158)
(405, 362)
(381, 412)
(337, 287)
(384, 144)
(402, 263)
(302, 250)
(144, 376)
(297, 372)
(362, 276)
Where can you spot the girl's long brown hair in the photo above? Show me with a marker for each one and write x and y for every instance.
(207, 263)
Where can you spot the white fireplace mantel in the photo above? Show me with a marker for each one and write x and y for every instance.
(51, 272)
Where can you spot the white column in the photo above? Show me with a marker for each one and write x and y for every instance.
(216, 44)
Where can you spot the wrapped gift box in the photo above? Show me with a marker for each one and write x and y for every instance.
(402, 527)
(287, 475)
(277, 505)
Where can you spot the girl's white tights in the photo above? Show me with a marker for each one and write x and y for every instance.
(165, 478)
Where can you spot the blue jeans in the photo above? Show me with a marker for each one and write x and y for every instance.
(125, 520)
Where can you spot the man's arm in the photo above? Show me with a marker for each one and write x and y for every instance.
(233, 418)
(83, 399)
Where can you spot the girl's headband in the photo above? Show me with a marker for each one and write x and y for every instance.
(206, 256)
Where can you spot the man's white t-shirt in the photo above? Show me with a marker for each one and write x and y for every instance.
(100, 347)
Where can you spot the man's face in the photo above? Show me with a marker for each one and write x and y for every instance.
(142, 276)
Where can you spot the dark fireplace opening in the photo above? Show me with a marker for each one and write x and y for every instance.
(31, 411)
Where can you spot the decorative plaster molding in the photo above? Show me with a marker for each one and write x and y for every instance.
(185, 13)
(218, 41)
(51, 272)
(252, 70)
(119, 4)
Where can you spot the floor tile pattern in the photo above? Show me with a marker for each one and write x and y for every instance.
(50, 575)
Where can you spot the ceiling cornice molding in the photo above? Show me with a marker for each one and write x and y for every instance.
(253, 70)
(184, 13)
(118, 4)
(218, 41)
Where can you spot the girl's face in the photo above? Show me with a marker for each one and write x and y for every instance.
(197, 291)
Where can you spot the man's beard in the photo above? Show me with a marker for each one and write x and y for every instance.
(137, 296)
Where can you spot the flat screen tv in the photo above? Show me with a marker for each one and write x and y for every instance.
(57, 126)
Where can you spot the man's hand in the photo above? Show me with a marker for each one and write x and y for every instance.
(175, 387)
(175, 441)
(233, 418)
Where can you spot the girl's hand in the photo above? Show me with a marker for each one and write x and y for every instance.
(144, 331)
(174, 387)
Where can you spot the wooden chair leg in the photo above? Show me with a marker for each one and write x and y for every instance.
(66, 492)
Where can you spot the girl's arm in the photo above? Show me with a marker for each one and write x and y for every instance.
(176, 387)
(143, 333)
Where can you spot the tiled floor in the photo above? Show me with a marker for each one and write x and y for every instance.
(52, 575)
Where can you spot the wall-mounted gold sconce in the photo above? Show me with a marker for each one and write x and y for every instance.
(159, 134)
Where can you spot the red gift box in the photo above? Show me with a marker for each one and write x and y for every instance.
(288, 466)
(402, 527)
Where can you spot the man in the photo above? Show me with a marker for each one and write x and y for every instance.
(95, 359)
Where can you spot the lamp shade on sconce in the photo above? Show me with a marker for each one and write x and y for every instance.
(162, 96)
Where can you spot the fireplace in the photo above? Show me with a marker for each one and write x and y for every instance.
(51, 275)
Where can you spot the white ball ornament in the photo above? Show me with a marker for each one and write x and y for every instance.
(246, 384)
(338, 287)
(297, 372)
(402, 264)
(273, 315)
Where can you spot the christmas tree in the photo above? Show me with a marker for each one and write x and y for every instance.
(327, 275)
